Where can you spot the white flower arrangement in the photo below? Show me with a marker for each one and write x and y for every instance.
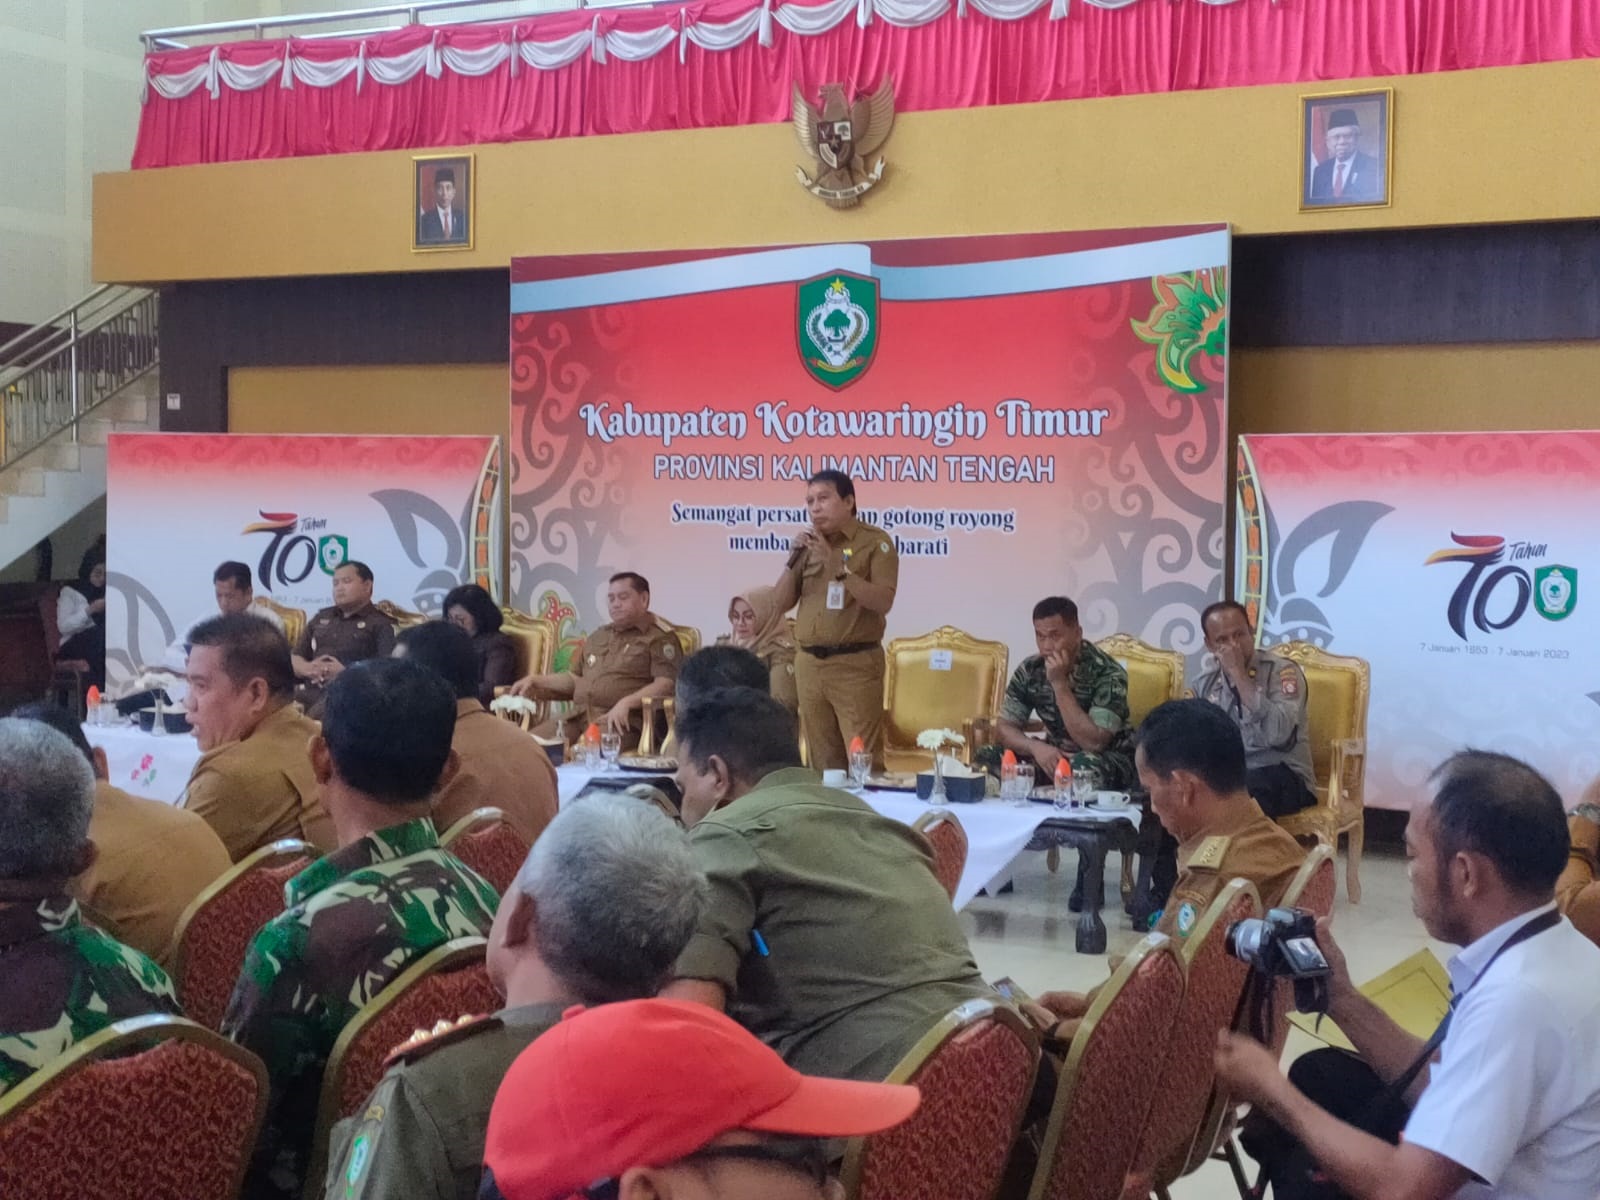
(513, 704)
(938, 739)
(151, 681)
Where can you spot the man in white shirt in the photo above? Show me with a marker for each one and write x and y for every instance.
(235, 593)
(1511, 1107)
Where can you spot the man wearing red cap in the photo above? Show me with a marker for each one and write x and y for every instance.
(663, 1100)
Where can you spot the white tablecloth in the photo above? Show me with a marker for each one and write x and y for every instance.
(143, 764)
(996, 832)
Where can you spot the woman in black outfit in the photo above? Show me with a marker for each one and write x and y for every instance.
(470, 608)
(81, 619)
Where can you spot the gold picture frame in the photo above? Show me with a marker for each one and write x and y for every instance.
(1365, 178)
(431, 195)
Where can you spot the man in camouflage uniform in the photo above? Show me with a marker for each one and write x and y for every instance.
(599, 913)
(1079, 692)
(60, 980)
(358, 917)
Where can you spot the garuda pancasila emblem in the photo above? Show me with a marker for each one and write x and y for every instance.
(843, 137)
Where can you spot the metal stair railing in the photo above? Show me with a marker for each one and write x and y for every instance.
(61, 370)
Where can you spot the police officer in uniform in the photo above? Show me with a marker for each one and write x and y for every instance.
(1191, 759)
(351, 630)
(1265, 696)
(843, 573)
(621, 663)
(420, 1135)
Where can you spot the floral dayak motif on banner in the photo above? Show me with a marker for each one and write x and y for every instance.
(1458, 566)
(425, 513)
(1024, 416)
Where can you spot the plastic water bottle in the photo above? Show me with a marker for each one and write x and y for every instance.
(1063, 784)
(1008, 775)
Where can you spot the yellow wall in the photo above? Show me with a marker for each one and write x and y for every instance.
(1469, 147)
(1395, 389)
(416, 399)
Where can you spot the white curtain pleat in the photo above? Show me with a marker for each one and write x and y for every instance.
(400, 68)
(908, 14)
(634, 47)
(812, 19)
(1006, 10)
(476, 62)
(548, 56)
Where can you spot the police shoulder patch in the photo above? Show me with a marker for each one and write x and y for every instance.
(670, 650)
(884, 546)
(1289, 682)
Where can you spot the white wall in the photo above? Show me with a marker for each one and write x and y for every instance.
(70, 74)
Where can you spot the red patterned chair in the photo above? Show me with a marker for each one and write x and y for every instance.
(216, 929)
(949, 842)
(449, 982)
(1109, 1079)
(66, 674)
(153, 1107)
(1313, 888)
(1185, 1081)
(486, 842)
(976, 1070)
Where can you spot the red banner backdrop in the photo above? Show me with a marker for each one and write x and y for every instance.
(627, 71)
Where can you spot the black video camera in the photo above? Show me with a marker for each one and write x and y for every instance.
(1283, 945)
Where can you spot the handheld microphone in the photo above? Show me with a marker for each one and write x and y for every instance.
(795, 556)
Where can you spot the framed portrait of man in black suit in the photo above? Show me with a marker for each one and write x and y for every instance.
(1346, 150)
(442, 190)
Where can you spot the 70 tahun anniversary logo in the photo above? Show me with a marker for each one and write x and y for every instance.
(837, 326)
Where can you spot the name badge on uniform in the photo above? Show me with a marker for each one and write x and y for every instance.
(836, 594)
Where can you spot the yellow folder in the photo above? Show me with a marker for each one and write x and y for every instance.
(1414, 992)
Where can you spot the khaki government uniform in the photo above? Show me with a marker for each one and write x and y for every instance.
(260, 788)
(1249, 845)
(350, 638)
(501, 766)
(841, 695)
(825, 925)
(1578, 889)
(617, 661)
(152, 860)
(421, 1134)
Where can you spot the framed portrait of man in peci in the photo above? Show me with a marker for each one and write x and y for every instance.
(1346, 145)
(442, 190)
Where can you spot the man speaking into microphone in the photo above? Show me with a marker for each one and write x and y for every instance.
(843, 573)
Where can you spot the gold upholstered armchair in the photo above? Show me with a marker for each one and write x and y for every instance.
(946, 679)
(656, 734)
(1154, 675)
(294, 619)
(403, 618)
(1337, 691)
(534, 641)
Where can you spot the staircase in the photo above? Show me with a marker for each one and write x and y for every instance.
(65, 385)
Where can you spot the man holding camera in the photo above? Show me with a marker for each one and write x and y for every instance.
(1191, 758)
(1511, 1107)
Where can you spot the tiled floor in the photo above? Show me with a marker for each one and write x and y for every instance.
(1028, 935)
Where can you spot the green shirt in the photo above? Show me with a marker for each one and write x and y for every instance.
(356, 919)
(836, 944)
(421, 1135)
(62, 980)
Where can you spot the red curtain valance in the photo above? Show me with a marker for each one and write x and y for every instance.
(734, 62)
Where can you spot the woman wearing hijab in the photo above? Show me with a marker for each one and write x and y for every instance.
(81, 619)
(764, 629)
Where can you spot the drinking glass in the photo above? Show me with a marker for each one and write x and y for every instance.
(1085, 785)
(1024, 783)
(860, 768)
(610, 749)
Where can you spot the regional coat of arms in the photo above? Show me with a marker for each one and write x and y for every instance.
(843, 137)
(838, 326)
